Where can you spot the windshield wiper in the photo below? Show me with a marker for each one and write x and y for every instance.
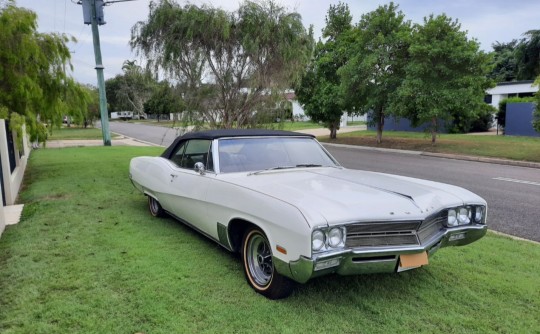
(285, 167)
(308, 165)
(271, 168)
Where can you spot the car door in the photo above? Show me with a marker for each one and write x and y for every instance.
(187, 191)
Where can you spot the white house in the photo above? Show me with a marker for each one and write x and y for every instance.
(12, 166)
(298, 110)
(510, 89)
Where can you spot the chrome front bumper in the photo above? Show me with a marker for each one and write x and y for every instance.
(375, 259)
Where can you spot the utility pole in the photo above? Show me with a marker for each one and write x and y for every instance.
(93, 14)
(101, 80)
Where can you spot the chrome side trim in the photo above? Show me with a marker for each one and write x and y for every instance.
(223, 236)
(194, 228)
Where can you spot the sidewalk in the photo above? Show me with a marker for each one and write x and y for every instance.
(118, 141)
(326, 132)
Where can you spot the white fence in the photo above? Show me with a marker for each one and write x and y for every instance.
(12, 166)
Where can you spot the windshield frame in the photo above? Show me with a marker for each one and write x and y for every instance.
(324, 159)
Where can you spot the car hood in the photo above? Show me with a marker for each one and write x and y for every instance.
(338, 195)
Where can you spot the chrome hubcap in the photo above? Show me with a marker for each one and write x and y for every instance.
(259, 260)
(153, 205)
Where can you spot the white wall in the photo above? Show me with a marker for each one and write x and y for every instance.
(12, 181)
(502, 90)
(297, 109)
(2, 215)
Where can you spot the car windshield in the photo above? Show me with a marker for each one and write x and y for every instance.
(257, 154)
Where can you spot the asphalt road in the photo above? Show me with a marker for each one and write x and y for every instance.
(158, 135)
(512, 193)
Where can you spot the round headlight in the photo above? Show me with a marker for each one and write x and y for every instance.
(335, 237)
(452, 217)
(478, 214)
(464, 215)
(317, 240)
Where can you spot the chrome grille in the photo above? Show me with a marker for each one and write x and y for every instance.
(382, 234)
(430, 228)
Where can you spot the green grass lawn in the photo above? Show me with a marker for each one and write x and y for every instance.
(75, 133)
(356, 123)
(87, 257)
(506, 147)
(295, 126)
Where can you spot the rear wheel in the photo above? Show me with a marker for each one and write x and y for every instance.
(155, 208)
(259, 268)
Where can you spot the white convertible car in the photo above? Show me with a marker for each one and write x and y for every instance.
(283, 202)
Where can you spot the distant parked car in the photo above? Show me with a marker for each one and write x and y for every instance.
(139, 116)
(293, 213)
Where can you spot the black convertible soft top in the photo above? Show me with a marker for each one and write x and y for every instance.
(214, 134)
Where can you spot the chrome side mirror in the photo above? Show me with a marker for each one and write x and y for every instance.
(199, 168)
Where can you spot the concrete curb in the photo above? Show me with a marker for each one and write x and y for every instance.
(484, 159)
(507, 162)
(138, 140)
(370, 148)
(121, 140)
(513, 237)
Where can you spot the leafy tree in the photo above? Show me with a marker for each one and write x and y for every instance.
(33, 80)
(518, 59)
(462, 121)
(249, 56)
(136, 86)
(115, 103)
(338, 21)
(4, 3)
(164, 101)
(92, 112)
(536, 120)
(504, 62)
(528, 56)
(319, 89)
(376, 67)
(131, 89)
(445, 75)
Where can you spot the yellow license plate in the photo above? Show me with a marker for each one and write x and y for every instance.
(410, 261)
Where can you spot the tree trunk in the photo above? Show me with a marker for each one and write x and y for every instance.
(333, 131)
(433, 130)
(380, 126)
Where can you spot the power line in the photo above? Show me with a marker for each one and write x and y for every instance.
(65, 14)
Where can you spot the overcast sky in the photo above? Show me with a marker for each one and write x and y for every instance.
(486, 20)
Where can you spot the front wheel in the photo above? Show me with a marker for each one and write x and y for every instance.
(155, 208)
(259, 268)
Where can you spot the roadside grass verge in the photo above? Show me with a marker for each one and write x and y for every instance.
(505, 147)
(356, 123)
(295, 126)
(74, 133)
(154, 122)
(87, 257)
